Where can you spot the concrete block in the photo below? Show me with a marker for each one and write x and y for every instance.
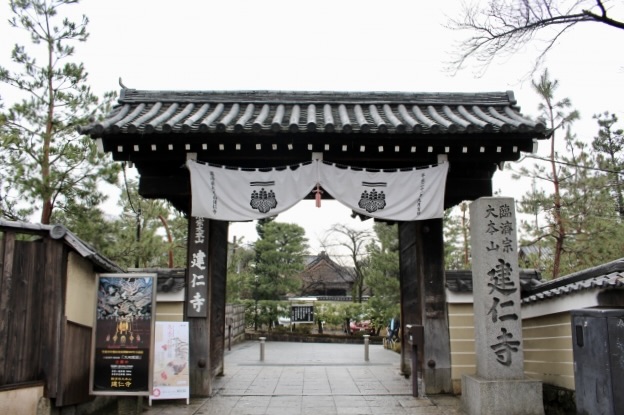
(495, 397)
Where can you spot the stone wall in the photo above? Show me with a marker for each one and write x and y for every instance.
(235, 320)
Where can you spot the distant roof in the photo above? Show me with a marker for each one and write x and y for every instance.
(61, 233)
(461, 280)
(342, 273)
(603, 277)
(154, 112)
(534, 250)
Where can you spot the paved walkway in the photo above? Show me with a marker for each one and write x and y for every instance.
(310, 378)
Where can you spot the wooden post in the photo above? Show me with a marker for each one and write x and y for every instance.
(53, 325)
(200, 377)
(6, 284)
(206, 323)
(411, 289)
(217, 273)
(437, 353)
(423, 301)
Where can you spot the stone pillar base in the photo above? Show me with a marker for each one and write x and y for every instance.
(494, 397)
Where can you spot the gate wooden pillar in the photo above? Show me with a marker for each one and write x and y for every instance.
(217, 279)
(423, 301)
(205, 301)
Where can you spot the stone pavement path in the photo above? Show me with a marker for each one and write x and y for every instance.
(310, 378)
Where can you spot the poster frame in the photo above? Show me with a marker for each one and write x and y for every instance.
(94, 336)
(184, 327)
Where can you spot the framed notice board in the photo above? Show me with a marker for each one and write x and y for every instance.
(122, 343)
(302, 314)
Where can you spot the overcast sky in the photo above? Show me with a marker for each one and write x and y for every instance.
(337, 45)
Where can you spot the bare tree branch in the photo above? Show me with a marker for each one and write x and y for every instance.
(503, 27)
(355, 242)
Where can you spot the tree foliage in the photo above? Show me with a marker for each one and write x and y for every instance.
(588, 212)
(333, 314)
(557, 115)
(280, 253)
(501, 28)
(609, 144)
(382, 275)
(575, 219)
(457, 237)
(593, 223)
(44, 163)
(240, 273)
(148, 233)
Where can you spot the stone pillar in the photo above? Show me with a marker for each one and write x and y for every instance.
(499, 386)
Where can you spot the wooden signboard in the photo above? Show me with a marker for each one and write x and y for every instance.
(302, 314)
(123, 335)
(196, 288)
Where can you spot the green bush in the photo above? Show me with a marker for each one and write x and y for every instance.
(303, 328)
(268, 312)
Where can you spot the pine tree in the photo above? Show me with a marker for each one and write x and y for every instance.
(149, 233)
(588, 211)
(532, 204)
(280, 255)
(556, 114)
(45, 163)
(609, 143)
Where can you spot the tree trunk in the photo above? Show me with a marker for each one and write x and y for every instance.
(559, 231)
(464, 208)
(46, 211)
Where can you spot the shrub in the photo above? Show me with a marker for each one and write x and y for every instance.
(302, 328)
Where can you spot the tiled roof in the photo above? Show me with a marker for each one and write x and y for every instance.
(526, 250)
(341, 273)
(603, 277)
(168, 280)
(60, 232)
(272, 112)
(461, 280)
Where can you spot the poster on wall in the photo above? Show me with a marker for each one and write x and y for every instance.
(123, 335)
(171, 361)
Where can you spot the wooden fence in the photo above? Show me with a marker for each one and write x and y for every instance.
(31, 310)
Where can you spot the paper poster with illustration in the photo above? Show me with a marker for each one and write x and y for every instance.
(171, 361)
(122, 344)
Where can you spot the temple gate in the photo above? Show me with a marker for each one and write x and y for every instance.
(159, 131)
